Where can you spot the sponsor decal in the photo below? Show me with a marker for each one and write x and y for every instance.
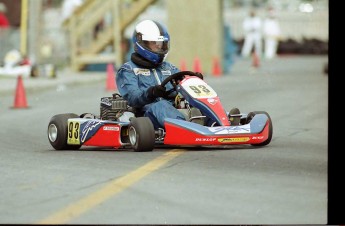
(212, 101)
(230, 130)
(166, 72)
(233, 139)
(203, 139)
(258, 138)
(112, 128)
(90, 126)
(142, 71)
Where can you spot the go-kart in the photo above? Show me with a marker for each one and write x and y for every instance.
(122, 126)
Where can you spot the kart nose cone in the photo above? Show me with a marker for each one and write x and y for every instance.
(52, 132)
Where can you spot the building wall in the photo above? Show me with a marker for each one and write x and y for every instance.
(196, 31)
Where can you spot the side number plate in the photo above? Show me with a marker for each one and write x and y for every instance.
(73, 132)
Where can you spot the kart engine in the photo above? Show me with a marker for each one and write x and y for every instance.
(115, 108)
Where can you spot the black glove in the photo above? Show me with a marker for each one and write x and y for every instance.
(199, 74)
(156, 91)
(179, 78)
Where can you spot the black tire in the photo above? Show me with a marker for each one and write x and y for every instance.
(58, 131)
(141, 134)
(251, 115)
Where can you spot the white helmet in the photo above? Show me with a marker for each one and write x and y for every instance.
(151, 41)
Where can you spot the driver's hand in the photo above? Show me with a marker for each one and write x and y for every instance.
(156, 91)
(179, 78)
(199, 74)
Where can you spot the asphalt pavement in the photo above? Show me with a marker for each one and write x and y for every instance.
(282, 183)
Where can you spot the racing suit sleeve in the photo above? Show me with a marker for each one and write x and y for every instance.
(128, 87)
(173, 69)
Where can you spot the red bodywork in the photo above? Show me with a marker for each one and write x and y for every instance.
(174, 133)
(107, 135)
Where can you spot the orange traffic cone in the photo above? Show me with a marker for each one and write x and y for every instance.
(217, 70)
(255, 59)
(183, 66)
(111, 83)
(197, 65)
(20, 95)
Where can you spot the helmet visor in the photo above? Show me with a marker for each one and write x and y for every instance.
(160, 47)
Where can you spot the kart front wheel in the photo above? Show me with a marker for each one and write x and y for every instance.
(270, 126)
(141, 134)
(58, 131)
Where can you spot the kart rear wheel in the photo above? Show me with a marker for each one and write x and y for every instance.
(57, 132)
(251, 115)
(141, 134)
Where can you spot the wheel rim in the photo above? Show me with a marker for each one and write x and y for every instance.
(52, 132)
(132, 133)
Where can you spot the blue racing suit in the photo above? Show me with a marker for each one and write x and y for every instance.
(132, 83)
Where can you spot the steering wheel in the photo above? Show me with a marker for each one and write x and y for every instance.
(175, 77)
(180, 75)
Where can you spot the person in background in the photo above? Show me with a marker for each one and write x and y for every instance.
(271, 32)
(252, 27)
(4, 23)
(230, 50)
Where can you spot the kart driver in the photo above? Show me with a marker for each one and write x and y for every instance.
(139, 79)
